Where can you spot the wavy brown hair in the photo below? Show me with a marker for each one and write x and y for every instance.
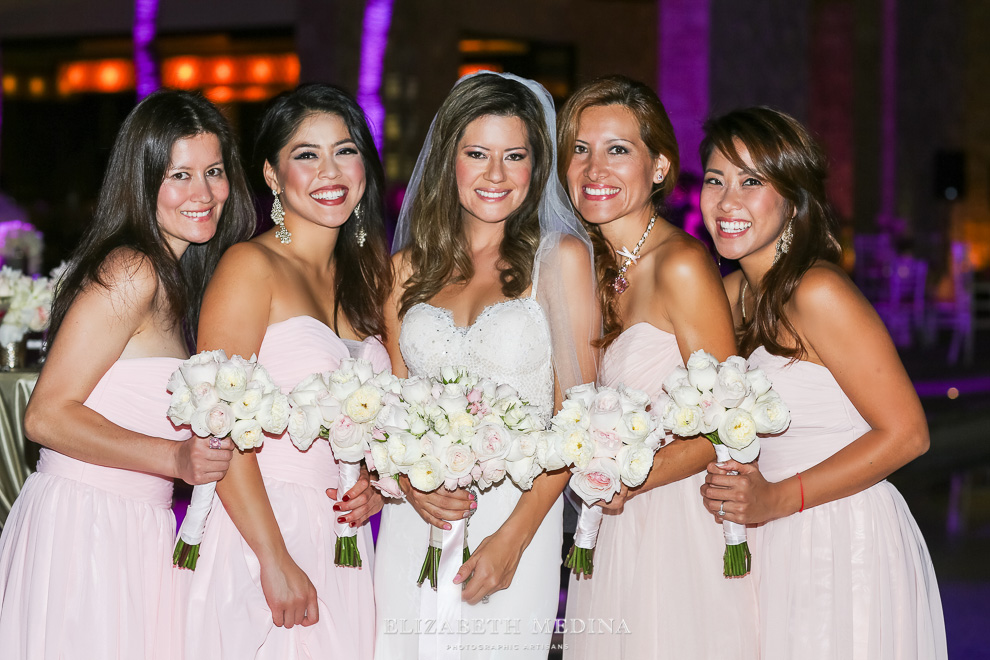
(363, 274)
(127, 210)
(656, 132)
(785, 154)
(438, 249)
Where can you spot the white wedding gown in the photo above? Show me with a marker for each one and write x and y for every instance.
(509, 343)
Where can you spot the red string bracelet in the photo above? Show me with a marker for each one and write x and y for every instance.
(801, 484)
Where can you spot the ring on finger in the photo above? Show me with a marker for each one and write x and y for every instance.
(721, 509)
(215, 443)
(484, 599)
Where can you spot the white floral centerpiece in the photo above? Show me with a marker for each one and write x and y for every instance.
(217, 397)
(730, 405)
(26, 302)
(21, 244)
(341, 406)
(454, 431)
(608, 438)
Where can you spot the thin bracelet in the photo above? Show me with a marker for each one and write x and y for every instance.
(801, 484)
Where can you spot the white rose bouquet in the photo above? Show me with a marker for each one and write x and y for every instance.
(342, 406)
(217, 397)
(28, 302)
(608, 438)
(455, 431)
(730, 405)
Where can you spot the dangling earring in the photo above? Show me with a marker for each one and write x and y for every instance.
(784, 242)
(278, 217)
(361, 235)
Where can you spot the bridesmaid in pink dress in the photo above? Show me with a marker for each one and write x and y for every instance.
(658, 559)
(842, 570)
(85, 556)
(302, 296)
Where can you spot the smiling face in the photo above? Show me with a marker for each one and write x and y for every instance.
(744, 213)
(320, 172)
(612, 172)
(191, 197)
(493, 166)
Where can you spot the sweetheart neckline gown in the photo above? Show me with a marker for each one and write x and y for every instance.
(86, 553)
(658, 564)
(851, 578)
(509, 343)
(227, 615)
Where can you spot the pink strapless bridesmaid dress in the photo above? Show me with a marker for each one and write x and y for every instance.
(658, 564)
(228, 616)
(850, 579)
(86, 554)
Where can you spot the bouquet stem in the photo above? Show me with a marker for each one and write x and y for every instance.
(346, 552)
(581, 561)
(738, 560)
(185, 555)
(431, 565)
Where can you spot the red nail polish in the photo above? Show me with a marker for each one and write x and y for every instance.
(341, 519)
(336, 507)
(352, 524)
(346, 498)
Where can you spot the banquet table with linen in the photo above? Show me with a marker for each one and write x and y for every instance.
(17, 455)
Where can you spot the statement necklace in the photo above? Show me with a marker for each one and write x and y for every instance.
(742, 299)
(620, 283)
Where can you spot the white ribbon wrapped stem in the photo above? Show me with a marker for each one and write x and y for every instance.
(349, 473)
(735, 534)
(589, 521)
(444, 604)
(194, 524)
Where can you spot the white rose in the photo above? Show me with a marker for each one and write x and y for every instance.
(363, 405)
(686, 420)
(771, 415)
(417, 391)
(523, 471)
(417, 425)
(747, 454)
(758, 382)
(452, 401)
(635, 426)
(731, 387)
(342, 383)
(440, 423)
(404, 449)
(386, 382)
(635, 463)
(711, 413)
(491, 441)
(264, 379)
(686, 396)
(582, 394)
(572, 413)
(607, 443)
(493, 470)
(176, 381)
(273, 412)
(201, 368)
(181, 407)
(248, 405)
(204, 395)
(383, 463)
(308, 390)
(737, 429)
(348, 440)
(426, 474)
(363, 370)
(633, 399)
(523, 446)
(329, 407)
(546, 451)
(575, 446)
(736, 362)
(702, 370)
(448, 374)
(459, 460)
(599, 481)
(232, 380)
(394, 412)
(304, 426)
(216, 420)
(606, 409)
(247, 366)
(678, 377)
(247, 434)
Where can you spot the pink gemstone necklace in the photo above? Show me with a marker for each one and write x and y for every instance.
(620, 283)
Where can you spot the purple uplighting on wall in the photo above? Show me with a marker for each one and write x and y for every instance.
(145, 67)
(374, 40)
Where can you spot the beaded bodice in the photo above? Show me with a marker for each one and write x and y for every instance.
(509, 343)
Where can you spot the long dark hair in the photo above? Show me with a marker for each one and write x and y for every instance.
(127, 210)
(438, 251)
(657, 134)
(363, 274)
(785, 154)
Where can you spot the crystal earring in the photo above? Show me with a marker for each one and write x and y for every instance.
(361, 235)
(278, 217)
(784, 242)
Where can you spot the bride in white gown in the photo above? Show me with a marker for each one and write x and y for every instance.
(485, 245)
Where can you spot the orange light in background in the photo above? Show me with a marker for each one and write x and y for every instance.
(493, 46)
(223, 70)
(111, 76)
(36, 86)
(219, 94)
(290, 64)
(181, 72)
(75, 75)
(255, 93)
(466, 69)
(261, 69)
(9, 84)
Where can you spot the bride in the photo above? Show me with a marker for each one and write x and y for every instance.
(484, 246)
